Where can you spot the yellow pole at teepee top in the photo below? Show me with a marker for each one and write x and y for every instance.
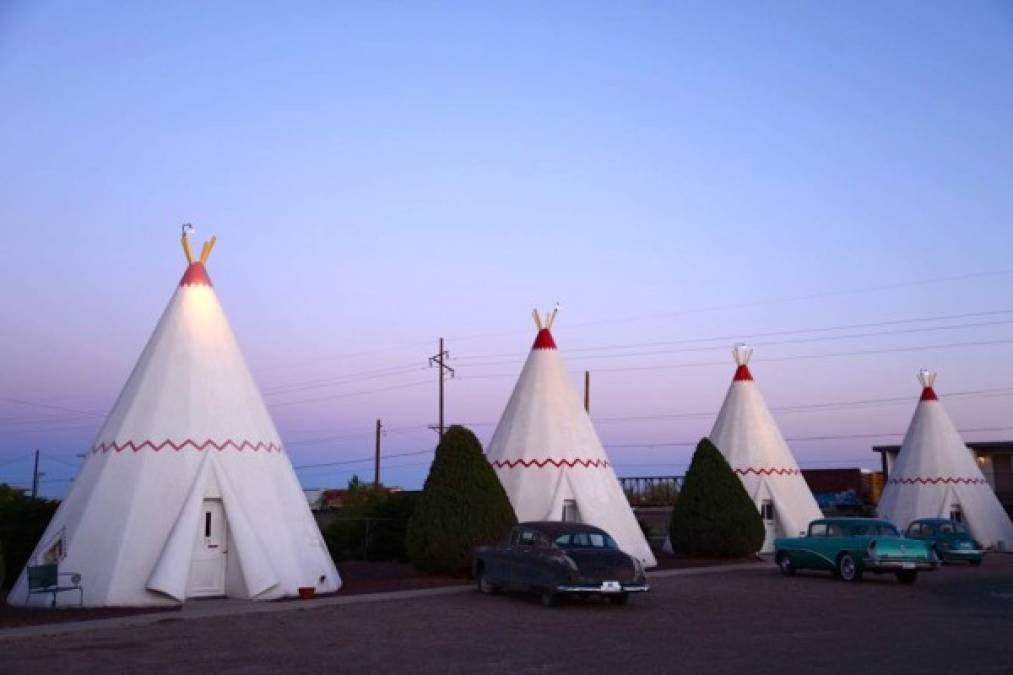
(206, 250)
(186, 249)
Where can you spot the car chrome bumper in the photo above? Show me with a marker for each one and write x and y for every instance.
(878, 564)
(961, 552)
(629, 588)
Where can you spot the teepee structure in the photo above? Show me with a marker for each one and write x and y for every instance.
(748, 437)
(187, 490)
(549, 458)
(935, 475)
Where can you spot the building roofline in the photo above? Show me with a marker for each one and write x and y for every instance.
(978, 446)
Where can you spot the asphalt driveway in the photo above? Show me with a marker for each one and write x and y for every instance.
(749, 620)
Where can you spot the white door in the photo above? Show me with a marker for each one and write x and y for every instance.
(571, 514)
(207, 568)
(769, 533)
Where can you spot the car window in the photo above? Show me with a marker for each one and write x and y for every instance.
(874, 529)
(515, 537)
(586, 540)
(818, 530)
(958, 527)
(915, 530)
(946, 528)
(834, 530)
(527, 538)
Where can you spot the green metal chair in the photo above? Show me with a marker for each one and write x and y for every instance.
(46, 579)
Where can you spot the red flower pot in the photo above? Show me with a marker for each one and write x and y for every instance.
(306, 592)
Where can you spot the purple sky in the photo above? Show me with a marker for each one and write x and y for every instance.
(382, 175)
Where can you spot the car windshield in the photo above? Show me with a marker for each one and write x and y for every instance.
(951, 527)
(585, 540)
(873, 529)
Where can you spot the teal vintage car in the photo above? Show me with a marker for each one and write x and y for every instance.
(949, 540)
(849, 547)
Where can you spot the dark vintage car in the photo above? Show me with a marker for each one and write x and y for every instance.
(949, 539)
(557, 559)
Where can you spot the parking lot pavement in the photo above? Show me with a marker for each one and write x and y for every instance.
(750, 620)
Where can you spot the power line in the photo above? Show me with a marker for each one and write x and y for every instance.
(49, 405)
(805, 340)
(331, 397)
(777, 333)
(361, 460)
(769, 301)
(884, 434)
(321, 439)
(769, 359)
(341, 379)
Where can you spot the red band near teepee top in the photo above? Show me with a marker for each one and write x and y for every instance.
(929, 394)
(544, 340)
(195, 275)
(742, 374)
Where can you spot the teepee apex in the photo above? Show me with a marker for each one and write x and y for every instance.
(928, 379)
(742, 353)
(544, 338)
(196, 273)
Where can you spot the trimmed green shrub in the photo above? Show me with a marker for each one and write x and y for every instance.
(462, 505)
(714, 515)
(22, 523)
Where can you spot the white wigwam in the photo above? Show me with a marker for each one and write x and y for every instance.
(935, 475)
(549, 458)
(187, 490)
(747, 435)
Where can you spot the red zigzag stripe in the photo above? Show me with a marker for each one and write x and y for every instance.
(558, 463)
(137, 447)
(937, 481)
(771, 471)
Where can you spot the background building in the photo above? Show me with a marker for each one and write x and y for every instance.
(995, 458)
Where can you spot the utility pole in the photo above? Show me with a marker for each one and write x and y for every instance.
(440, 360)
(376, 460)
(587, 391)
(35, 476)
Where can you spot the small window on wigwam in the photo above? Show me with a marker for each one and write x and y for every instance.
(56, 551)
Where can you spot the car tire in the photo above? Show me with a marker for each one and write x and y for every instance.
(784, 564)
(847, 568)
(907, 577)
(550, 599)
(484, 585)
(621, 599)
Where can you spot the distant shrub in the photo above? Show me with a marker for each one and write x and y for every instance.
(463, 505)
(370, 525)
(22, 523)
(714, 515)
